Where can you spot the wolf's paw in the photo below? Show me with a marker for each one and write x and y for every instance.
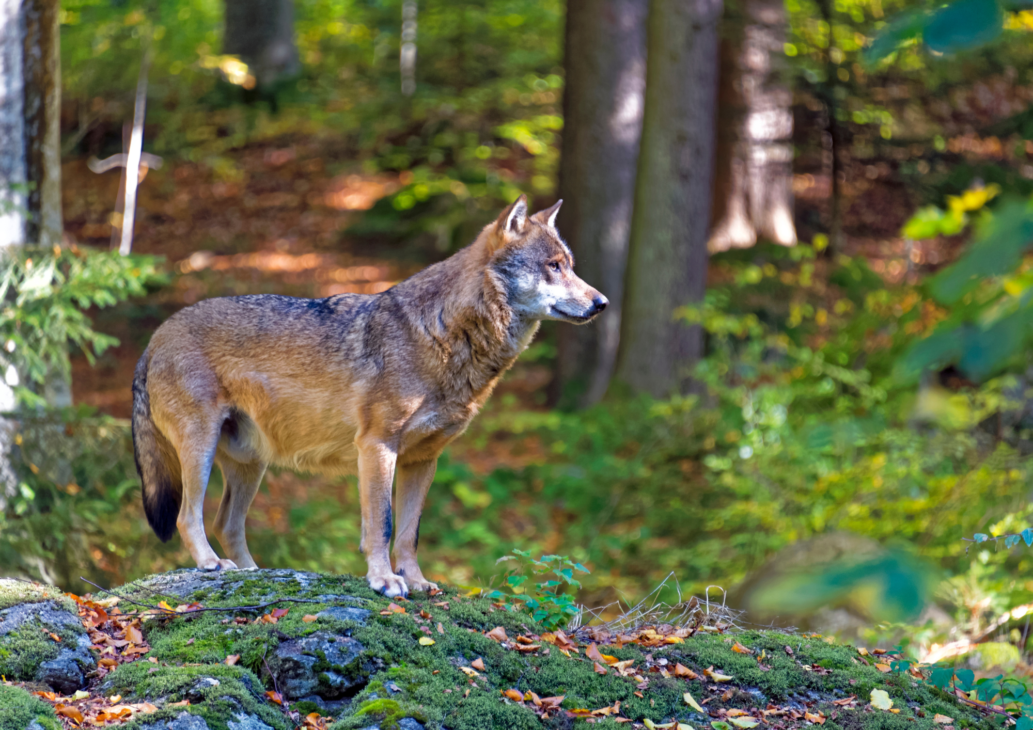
(218, 564)
(388, 584)
(423, 585)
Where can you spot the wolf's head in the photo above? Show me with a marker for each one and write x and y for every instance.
(537, 269)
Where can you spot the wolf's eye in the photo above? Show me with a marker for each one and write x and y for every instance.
(554, 265)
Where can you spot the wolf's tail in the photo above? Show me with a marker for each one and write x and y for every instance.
(160, 474)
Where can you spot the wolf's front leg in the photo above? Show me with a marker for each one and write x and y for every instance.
(413, 482)
(376, 472)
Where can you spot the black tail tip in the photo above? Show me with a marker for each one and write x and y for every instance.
(162, 509)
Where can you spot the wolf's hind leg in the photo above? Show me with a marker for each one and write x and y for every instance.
(196, 448)
(414, 481)
(376, 472)
(240, 484)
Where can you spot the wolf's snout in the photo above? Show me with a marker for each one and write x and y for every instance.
(599, 303)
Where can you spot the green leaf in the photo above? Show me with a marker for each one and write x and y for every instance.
(966, 679)
(881, 700)
(1011, 541)
(980, 537)
(1027, 536)
(941, 677)
(963, 24)
(904, 27)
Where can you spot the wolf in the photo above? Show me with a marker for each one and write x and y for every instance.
(376, 385)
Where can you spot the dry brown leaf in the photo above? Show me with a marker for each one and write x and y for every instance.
(680, 670)
(498, 634)
(740, 649)
(513, 695)
(309, 618)
(232, 659)
(478, 663)
(70, 712)
(943, 720)
(600, 669)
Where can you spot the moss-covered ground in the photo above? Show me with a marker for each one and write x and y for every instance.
(19, 709)
(397, 676)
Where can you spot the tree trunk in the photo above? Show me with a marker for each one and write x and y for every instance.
(30, 132)
(603, 99)
(261, 34)
(30, 166)
(753, 177)
(667, 261)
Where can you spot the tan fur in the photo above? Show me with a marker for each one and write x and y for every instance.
(373, 384)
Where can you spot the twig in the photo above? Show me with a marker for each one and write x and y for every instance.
(271, 675)
(167, 612)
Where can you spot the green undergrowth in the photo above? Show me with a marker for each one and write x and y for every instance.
(404, 678)
(19, 709)
(24, 649)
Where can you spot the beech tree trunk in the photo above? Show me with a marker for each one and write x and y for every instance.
(753, 181)
(261, 34)
(30, 132)
(667, 261)
(603, 100)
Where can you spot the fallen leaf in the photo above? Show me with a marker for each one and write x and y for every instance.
(498, 634)
(716, 676)
(740, 649)
(527, 647)
(478, 663)
(441, 629)
(309, 618)
(232, 659)
(789, 650)
(181, 703)
(884, 668)
(134, 634)
(748, 722)
(469, 672)
(279, 613)
(426, 641)
(680, 670)
(80, 695)
(70, 712)
(881, 700)
(691, 702)
(943, 719)
(845, 701)
(513, 695)
(600, 669)
(862, 651)
(817, 719)
(274, 697)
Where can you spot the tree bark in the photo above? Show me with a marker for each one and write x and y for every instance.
(30, 132)
(667, 262)
(753, 178)
(603, 100)
(261, 34)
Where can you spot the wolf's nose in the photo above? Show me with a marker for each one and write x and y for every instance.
(599, 303)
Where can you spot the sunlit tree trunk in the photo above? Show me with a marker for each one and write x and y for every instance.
(30, 141)
(753, 191)
(261, 34)
(667, 261)
(605, 83)
(30, 163)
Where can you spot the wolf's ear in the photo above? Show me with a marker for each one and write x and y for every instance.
(514, 218)
(547, 217)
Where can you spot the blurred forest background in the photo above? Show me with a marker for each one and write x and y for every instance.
(813, 218)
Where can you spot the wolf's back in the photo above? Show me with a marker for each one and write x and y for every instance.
(162, 484)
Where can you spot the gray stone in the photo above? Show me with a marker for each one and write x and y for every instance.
(246, 722)
(184, 583)
(320, 664)
(35, 726)
(345, 613)
(183, 721)
(47, 614)
(407, 723)
(64, 675)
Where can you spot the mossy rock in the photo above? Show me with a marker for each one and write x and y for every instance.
(340, 651)
(42, 638)
(19, 710)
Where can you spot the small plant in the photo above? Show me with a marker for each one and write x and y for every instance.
(1001, 695)
(548, 603)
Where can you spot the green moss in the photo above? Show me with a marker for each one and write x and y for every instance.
(13, 592)
(18, 709)
(235, 690)
(28, 646)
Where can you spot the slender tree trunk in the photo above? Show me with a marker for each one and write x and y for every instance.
(261, 33)
(30, 165)
(667, 261)
(30, 132)
(753, 184)
(834, 133)
(603, 99)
